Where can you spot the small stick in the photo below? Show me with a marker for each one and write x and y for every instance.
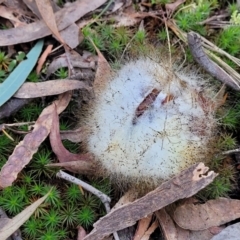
(195, 46)
(231, 151)
(103, 197)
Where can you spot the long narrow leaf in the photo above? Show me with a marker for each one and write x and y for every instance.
(13, 224)
(20, 73)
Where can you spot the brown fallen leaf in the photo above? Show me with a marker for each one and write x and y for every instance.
(170, 230)
(210, 214)
(24, 151)
(8, 14)
(49, 88)
(70, 34)
(84, 161)
(81, 233)
(184, 185)
(64, 18)
(103, 72)
(76, 135)
(43, 58)
(142, 227)
(45, 8)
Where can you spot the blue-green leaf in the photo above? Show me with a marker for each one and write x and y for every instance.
(20, 73)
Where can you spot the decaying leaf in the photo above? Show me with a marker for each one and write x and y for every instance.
(103, 71)
(142, 227)
(45, 8)
(231, 232)
(43, 58)
(184, 185)
(64, 18)
(81, 233)
(12, 225)
(8, 14)
(170, 230)
(24, 151)
(48, 88)
(76, 135)
(210, 214)
(66, 158)
(70, 34)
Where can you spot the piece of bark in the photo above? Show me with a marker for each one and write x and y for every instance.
(184, 185)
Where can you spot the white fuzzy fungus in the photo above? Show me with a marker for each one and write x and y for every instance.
(150, 123)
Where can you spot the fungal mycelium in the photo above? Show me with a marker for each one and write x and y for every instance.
(148, 122)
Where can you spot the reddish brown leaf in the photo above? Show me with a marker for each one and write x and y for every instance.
(24, 151)
(76, 135)
(203, 216)
(63, 154)
(43, 58)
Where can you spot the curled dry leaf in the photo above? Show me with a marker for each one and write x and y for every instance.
(203, 216)
(24, 151)
(64, 18)
(73, 162)
(184, 185)
(48, 88)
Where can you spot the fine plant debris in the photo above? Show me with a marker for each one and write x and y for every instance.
(119, 119)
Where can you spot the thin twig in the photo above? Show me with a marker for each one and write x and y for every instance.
(231, 151)
(103, 197)
(195, 46)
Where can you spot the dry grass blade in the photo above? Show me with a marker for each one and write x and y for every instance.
(12, 225)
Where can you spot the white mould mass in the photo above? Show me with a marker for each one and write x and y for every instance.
(148, 123)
